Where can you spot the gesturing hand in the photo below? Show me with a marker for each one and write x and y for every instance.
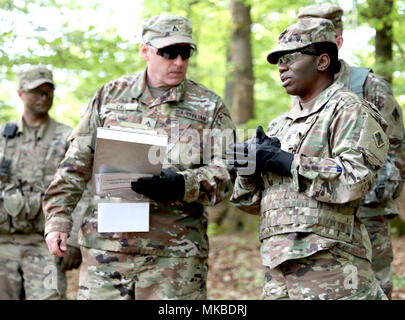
(247, 158)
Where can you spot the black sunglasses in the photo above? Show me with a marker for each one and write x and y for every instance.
(172, 52)
(290, 58)
(310, 52)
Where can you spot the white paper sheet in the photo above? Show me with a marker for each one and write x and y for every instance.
(123, 217)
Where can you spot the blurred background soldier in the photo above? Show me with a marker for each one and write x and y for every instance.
(30, 151)
(379, 205)
(312, 168)
(169, 261)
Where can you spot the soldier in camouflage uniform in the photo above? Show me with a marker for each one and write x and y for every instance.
(169, 261)
(30, 150)
(378, 207)
(312, 168)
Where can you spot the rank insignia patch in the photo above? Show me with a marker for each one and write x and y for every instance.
(378, 139)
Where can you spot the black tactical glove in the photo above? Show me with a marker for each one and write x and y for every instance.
(246, 157)
(275, 160)
(72, 260)
(169, 186)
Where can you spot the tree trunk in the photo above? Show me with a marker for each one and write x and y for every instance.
(239, 94)
(228, 79)
(380, 13)
(383, 41)
(241, 62)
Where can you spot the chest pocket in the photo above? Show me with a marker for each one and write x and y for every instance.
(9, 153)
(54, 156)
(112, 114)
(275, 128)
(297, 133)
(186, 137)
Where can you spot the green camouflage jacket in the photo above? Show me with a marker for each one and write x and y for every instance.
(339, 146)
(35, 156)
(380, 200)
(183, 113)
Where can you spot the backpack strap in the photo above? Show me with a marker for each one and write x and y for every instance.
(357, 79)
(9, 131)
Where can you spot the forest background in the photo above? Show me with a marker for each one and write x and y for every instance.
(88, 43)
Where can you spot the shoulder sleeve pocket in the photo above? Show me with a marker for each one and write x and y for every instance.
(373, 142)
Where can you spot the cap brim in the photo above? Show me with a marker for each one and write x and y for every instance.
(38, 82)
(273, 56)
(161, 43)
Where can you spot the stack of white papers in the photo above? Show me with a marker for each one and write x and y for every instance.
(123, 155)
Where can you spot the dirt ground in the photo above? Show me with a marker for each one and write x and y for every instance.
(235, 271)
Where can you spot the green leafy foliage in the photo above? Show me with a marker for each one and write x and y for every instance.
(398, 281)
(84, 58)
(7, 112)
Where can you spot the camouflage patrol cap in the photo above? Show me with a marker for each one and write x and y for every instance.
(165, 30)
(33, 76)
(328, 11)
(302, 34)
